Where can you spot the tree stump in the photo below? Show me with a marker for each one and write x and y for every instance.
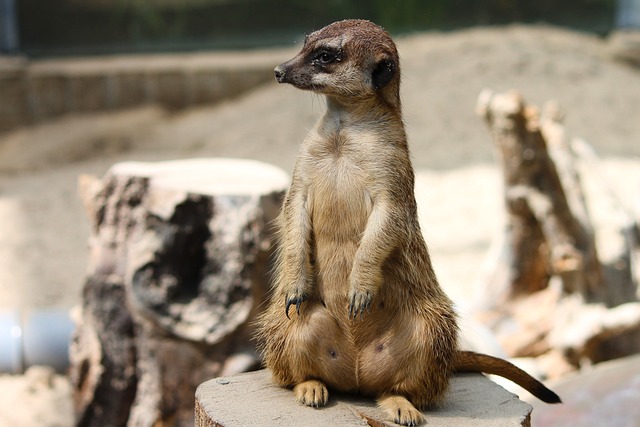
(253, 399)
(178, 268)
(545, 236)
(550, 293)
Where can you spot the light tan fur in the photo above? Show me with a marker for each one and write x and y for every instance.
(356, 305)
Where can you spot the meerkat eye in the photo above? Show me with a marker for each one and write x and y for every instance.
(324, 57)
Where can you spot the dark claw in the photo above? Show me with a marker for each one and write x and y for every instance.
(354, 312)
(290, 302)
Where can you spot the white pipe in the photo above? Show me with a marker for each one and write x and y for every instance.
(34, 337)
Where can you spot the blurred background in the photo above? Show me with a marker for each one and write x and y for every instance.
(85, 84)
(87, 27)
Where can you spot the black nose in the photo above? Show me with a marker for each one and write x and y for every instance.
(279, 72)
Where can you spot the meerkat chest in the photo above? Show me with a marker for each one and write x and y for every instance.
(340, 195)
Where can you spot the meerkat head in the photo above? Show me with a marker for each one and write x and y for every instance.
(352, 60)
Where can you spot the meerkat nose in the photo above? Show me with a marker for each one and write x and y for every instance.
(279, 72)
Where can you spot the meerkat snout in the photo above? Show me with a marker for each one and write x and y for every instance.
(289, 72)
(280, 73)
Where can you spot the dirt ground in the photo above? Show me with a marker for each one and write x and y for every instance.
(43, 230)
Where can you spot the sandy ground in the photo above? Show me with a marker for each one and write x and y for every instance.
(43, 230)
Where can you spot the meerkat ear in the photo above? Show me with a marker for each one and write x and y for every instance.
(382, 74)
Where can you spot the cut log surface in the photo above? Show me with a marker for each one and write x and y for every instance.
(215, 177)
(179, 262)
(252, 399)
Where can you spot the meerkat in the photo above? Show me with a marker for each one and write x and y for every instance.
(356, 305)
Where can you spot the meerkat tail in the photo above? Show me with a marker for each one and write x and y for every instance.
(468, 361)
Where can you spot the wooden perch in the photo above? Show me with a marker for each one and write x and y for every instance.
(253, 399)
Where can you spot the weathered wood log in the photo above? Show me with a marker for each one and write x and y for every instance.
(103, 354)
(595, 333)
(561, 287)
(178, 269)
(544, 235)
(616, 237)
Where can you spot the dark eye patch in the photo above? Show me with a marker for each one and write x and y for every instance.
(325, 56)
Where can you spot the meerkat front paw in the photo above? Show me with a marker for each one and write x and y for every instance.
(296, 290)
(291, 299)
(363, 286)
(311, 393)
(401, 410)
(359, 301)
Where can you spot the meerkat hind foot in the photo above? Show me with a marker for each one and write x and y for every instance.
(311, 393)
(401, 410)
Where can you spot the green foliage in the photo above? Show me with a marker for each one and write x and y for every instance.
(94, 26)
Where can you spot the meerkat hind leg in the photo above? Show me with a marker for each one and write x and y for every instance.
(401, 410)
(311, 393)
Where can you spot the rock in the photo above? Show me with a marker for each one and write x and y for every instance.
(606, 395)
(40, 377)
(40, 398)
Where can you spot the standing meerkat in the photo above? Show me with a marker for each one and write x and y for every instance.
(356, 306)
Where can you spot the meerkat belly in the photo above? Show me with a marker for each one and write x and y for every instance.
(341, 206)
(384, 349)
(322, 348)
(393, 349)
